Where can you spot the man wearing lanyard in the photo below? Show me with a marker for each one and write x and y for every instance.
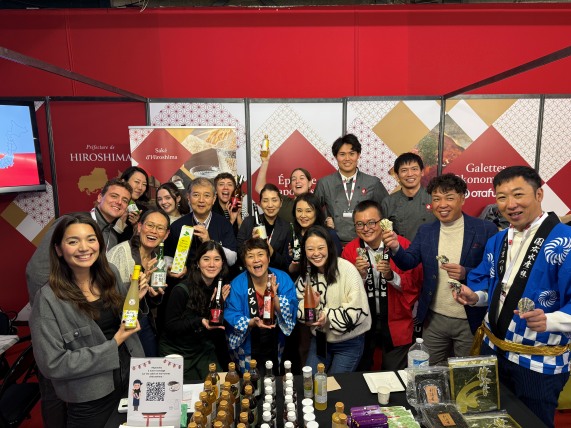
(391, 291)
(448, 249)
(341, 191)
(524, 281)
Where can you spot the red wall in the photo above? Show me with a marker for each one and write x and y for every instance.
(316, 52)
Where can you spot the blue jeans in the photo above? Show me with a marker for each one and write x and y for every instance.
(147, 337)
(342, 357)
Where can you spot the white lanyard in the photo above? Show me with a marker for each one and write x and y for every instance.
(511, 232)
(349, 195)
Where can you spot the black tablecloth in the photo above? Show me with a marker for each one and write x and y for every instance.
(355, 392)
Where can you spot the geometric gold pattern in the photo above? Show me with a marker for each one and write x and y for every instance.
(400, 129)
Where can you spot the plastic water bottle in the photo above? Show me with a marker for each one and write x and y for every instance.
(418, 354)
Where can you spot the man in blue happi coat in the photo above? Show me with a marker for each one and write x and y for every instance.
(524, 280)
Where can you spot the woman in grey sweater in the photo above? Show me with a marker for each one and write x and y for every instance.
(78, 339)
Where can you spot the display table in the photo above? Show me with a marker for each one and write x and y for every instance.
(355, 392)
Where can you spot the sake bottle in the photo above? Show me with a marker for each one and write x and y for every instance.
(131, 305)
(159, 276)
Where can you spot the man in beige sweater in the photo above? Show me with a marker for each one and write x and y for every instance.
(448, 326)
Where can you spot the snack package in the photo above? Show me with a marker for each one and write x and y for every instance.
(474, 383)
(427, 385)
(442, 416)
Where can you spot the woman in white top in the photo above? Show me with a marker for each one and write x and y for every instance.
(342, 305)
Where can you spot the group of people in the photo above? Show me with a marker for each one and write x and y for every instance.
(374, 286)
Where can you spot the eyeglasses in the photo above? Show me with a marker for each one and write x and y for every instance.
(371, 224)
(152, 226)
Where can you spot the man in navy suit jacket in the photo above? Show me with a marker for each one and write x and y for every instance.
(448, 326)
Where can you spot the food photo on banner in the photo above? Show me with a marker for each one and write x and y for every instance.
(182, 153)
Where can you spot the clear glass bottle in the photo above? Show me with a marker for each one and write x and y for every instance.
(418, 355)
(307, 382)
(320, 388)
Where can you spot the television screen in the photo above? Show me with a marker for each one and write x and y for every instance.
(20, 158)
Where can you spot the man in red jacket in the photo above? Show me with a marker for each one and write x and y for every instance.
(391, 291)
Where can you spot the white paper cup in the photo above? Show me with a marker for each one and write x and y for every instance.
(383, 394)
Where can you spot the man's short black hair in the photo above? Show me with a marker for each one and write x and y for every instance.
(346, 139)
(526, 172)
(407, 158)
(446, 183)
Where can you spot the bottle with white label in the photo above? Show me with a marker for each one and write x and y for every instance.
(418, 355)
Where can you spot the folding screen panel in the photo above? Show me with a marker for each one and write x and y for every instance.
(555, 157)
(482, 136)
(301, 134)
(388, 128)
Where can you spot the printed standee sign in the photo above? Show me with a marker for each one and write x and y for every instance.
(155, 392)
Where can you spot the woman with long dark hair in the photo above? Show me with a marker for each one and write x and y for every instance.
(172, 201)
(138, 179)
(187, 330)
(344, 314)
(307, 213)
(79, 341)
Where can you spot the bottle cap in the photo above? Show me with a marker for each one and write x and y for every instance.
(315, 424)
(287, 364)
(308, 409)
(321, 367)
(268, 398)
(231, 367)
(291, 416)
(136, 272)
(291, 407)
(266, 416)
(289, 376)
(306, 370)
(268, 390)
(248, 389)
(267, 382)
(419, 340)
(247, 376)
(212, 367)
(269, 364)
(339, 407)
(307, 417)
(245, 403)
(266, 407)
(288, 425)
(307, 402)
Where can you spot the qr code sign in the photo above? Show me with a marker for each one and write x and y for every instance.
(155, 391)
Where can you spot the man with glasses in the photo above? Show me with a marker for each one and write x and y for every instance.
(391, 291)
(448, 250)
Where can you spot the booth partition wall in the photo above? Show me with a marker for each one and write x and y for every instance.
(302, 76)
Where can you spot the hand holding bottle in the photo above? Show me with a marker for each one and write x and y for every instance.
(258, 322)
(123, 333)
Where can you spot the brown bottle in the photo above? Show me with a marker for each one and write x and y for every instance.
(234, 379)
(225, 406)
(199, 419)
(268, 315)
(253, 403)
(231, 399)
(206, 407)
(211, 395)
(214, 379)
(222, 419)
(216, 317)
(245, 382)
(256, 378)
(192, 424)
(309, 303)
(245, 407)
(237, 195)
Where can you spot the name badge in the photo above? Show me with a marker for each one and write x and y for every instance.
(347, 214)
